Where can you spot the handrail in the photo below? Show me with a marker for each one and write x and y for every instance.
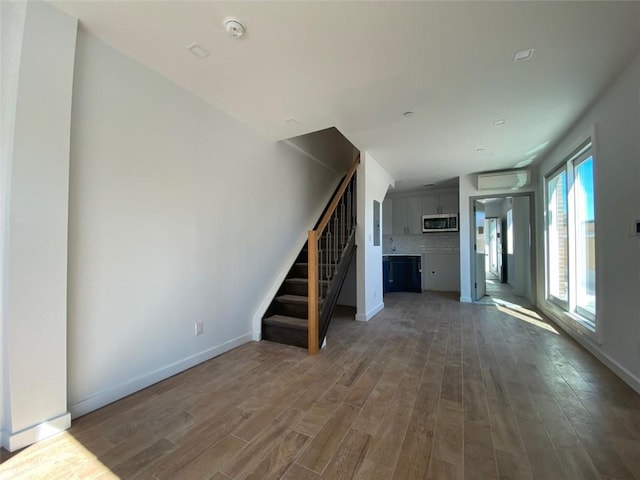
(330, 247)
(336, 198)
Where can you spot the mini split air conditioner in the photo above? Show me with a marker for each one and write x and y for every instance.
(506, 180)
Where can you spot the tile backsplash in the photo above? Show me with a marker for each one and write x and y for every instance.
(439, 242)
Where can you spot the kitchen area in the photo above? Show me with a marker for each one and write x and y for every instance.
(421, 241)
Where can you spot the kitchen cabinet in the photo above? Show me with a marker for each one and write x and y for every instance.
(407, 215)
(387, 217)
(449, 203)
(440, 203)
(402, 273)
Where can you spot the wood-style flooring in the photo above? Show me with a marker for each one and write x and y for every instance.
(428, 389)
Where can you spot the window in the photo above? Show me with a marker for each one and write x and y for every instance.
(557, 238)
(570, 235)
(585, 238)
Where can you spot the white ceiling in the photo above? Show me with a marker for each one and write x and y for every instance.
(359, 65)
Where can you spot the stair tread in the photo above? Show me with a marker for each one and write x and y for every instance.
(285, 321)
(301, 280)
(288, 298)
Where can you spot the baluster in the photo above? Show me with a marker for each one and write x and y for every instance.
(336, 242)
(348, 213)
(342, 231)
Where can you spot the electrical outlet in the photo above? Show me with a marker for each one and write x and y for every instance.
(433, 272)
(199, 328)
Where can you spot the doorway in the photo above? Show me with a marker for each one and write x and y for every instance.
(503, 260)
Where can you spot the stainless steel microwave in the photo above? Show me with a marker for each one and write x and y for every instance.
(441, 222)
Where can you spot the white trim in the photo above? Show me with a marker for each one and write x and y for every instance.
(569, 320)
(142, 381)
(369, 315)
(466, 300)
(588, 341)
(31, 435)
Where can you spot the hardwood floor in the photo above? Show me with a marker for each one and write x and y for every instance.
(428, 389)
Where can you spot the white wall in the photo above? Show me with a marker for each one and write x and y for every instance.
(372, 184)
(178, 214)
(617, 205)
(468, 191)
(41, 43)
(520, 274)
(12, 19)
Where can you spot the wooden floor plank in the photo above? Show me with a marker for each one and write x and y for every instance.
(349, 456)
(323, 446)
(372, 471)
(417, 446)
(250, 457)
(542, 455)
(441, 470)
(141, 460)
(281, 458)
(297, 472)
(208, 462)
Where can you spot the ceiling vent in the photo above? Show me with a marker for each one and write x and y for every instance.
(506, 180)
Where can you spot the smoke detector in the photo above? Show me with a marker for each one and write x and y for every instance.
(233, 27)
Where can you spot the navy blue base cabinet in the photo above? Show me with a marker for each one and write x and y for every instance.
(402, 274)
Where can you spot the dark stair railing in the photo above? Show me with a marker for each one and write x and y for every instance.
(300, 313)
(330, 249)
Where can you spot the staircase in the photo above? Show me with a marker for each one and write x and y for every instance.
(301, 311)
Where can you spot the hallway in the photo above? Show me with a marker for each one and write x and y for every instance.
(429, 388)
(501, 293)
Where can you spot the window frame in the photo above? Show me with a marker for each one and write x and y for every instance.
(568, 165)
(589, 318)
(564, 304)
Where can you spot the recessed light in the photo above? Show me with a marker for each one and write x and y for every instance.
(523, 55)
(292, 121)
(234, 27)
(429, 185)
(499, 122)
(479, 149)
(408, 114)
(198, 50)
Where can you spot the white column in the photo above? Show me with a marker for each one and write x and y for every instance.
(373, 182)
(35, 167)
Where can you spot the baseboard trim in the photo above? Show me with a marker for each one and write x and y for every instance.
(466, 300)
(31, 435)
(626, 376)
(368, 316)
(110, 395)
